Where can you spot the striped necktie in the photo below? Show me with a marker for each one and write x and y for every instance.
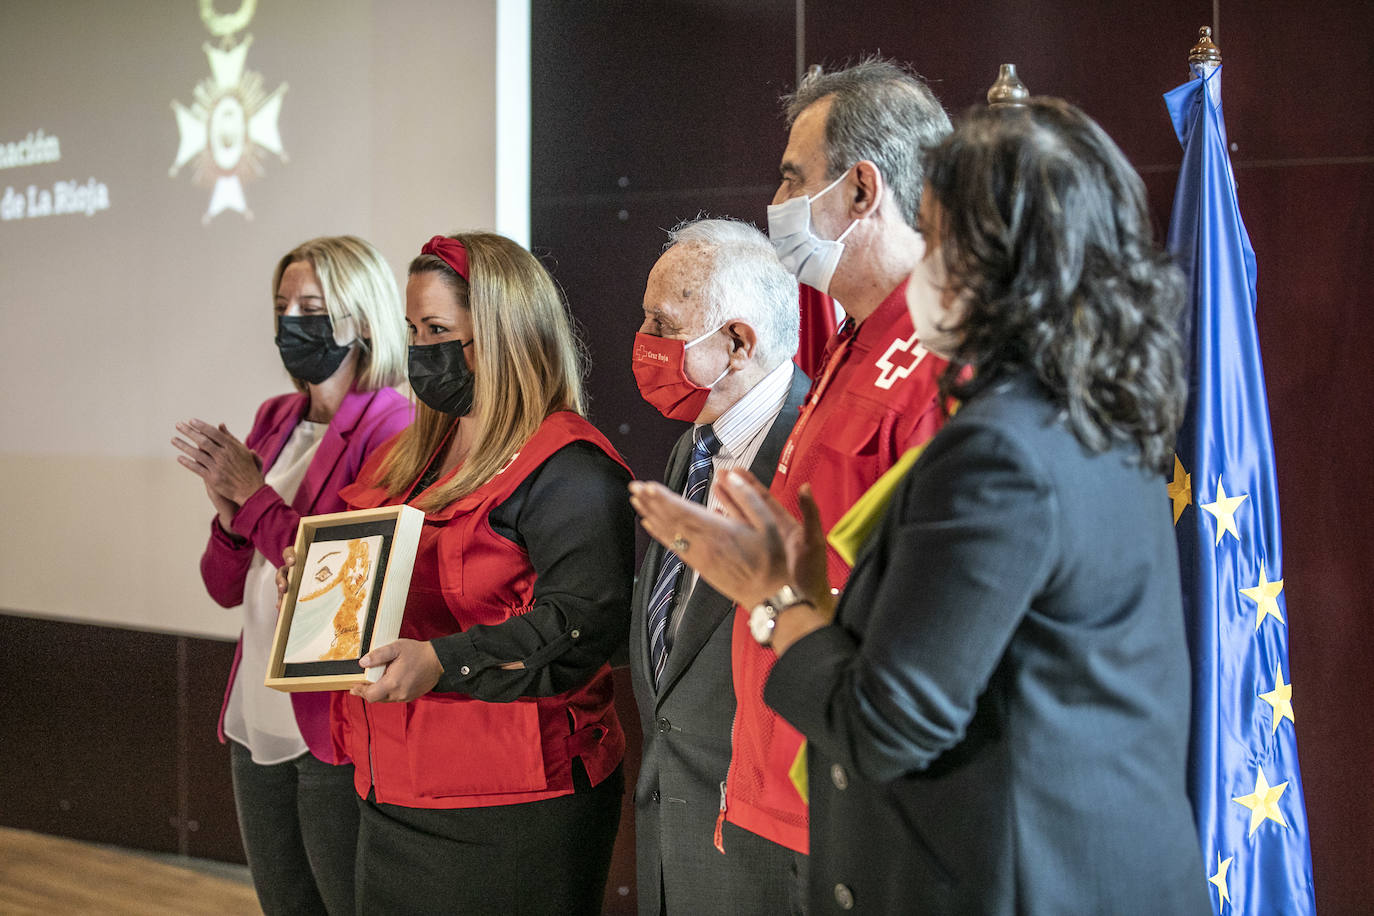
(661, 599)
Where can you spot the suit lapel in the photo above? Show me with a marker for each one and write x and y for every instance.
(766, 462)
(706, 607)
(704, 611)
(270, 448)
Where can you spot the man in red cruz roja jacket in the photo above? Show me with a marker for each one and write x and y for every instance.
(844, 221)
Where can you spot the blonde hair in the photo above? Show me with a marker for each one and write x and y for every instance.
(358, 283)
(526, 359)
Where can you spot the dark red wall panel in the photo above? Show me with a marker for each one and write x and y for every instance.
(96, 743)
(679, 99)
(1310, 225)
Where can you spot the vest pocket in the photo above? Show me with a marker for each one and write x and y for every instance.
(462, 746)
(854, 430)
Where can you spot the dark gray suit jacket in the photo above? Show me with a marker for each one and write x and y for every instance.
(687, 740)
(998, 721)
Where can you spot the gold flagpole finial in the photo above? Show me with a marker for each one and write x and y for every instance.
(1204, 52)
(1008, 91)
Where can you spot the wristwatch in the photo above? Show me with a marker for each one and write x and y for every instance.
(764, 616)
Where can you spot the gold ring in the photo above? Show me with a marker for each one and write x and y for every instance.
(679, 544)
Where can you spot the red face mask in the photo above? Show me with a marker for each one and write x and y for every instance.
(662, 380)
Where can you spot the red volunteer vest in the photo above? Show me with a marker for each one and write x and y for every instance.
(876, 397)
(448, 750)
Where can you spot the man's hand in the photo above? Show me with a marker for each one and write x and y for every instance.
(412, 670)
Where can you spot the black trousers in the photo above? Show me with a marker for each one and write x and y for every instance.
(543, 857)
(299, 821)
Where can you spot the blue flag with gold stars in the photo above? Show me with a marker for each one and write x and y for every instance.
(1243, 768)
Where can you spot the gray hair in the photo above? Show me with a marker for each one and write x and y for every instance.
(879, 112)
(745, 281)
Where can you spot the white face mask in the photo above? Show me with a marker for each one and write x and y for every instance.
(932, 317)
(811, 259)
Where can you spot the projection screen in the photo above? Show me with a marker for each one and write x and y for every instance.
(156, 159)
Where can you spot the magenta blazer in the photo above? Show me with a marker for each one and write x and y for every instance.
(364, 421)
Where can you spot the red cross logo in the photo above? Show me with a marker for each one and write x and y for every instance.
(899, 360)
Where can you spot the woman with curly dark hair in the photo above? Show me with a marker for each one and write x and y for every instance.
(997, 708)
(1060, 275)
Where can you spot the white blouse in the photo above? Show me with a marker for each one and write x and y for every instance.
(258, 717)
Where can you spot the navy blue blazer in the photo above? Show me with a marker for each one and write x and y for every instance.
(998, 720)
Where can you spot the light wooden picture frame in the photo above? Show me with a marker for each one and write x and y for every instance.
(346, 596)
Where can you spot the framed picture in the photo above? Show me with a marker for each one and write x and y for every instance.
(347, 594)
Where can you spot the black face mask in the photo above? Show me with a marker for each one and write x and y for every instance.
(440, 377)
(307, 347)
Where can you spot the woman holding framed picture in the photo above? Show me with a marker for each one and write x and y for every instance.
(489, 752)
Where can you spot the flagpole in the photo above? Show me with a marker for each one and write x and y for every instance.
(1205, 56)
(1008, 91)
(1243, 778)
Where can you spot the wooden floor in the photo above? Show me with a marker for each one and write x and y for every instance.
(44, 874)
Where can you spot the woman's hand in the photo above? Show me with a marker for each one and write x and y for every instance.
(288, 558)
(225, 510)
(746, 554)
(413, 669)
(227, 466)
(803, 544)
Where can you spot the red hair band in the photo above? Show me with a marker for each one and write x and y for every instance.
(450, 251)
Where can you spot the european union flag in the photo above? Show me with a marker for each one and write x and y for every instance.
(1244, 782)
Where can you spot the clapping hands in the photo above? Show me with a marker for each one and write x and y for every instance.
(230, 470)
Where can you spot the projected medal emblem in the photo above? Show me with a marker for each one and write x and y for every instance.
(232, 123)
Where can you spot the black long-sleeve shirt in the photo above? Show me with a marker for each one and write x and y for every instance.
(573, 518)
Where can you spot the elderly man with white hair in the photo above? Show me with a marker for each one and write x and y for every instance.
(715, 348)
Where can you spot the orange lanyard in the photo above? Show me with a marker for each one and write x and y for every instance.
(832, 367)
